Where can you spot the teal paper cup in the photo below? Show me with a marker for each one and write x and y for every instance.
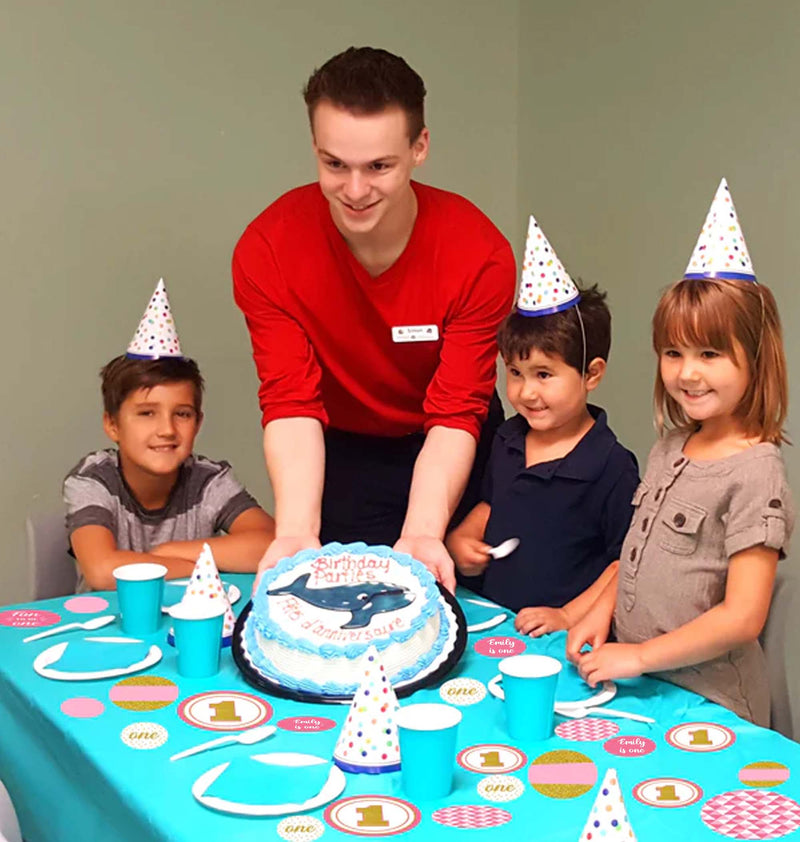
(529, 687)
(140, 589)
(427, 735)
(198, 636)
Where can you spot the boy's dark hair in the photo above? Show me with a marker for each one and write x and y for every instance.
(123, 375)
(366, 80)
(560, 333)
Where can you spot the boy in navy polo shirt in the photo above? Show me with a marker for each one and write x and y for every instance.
(557, 477)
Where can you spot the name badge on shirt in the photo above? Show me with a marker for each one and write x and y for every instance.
(415, 333)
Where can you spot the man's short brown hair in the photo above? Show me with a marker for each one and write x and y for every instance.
(123, 375)
(367, 80)
(560, 333)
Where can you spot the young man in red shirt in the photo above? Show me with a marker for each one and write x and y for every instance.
(373, 303)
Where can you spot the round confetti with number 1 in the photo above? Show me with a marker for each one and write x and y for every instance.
(229, 710)
(372, 815)
(700, 736)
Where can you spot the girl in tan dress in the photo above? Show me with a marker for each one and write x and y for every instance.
(713, 514)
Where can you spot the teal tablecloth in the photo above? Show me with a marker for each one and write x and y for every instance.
(74, 778)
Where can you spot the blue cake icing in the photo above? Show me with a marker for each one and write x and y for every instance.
(367, 596)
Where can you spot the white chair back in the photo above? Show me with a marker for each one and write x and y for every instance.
(9, 826)
(52, 569)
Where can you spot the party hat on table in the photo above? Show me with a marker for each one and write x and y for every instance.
(156, 336)
(545, 286)
(206, 587)
(368, 739)
(721, 251)
(608, 818)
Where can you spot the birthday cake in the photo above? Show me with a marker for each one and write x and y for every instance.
(315, 614)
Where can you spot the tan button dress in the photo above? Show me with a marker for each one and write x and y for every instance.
(689, 518)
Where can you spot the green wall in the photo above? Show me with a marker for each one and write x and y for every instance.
(139, 138)
(629, 115)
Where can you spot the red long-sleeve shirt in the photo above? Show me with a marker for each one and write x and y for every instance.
(321, 327)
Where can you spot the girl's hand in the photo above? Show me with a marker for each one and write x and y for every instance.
(609, 661)
(592, 629)
(539, 620)
(471, 555)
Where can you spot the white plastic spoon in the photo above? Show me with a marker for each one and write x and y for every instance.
(94, 623)
(506, 548)
(581, 713)
(247, 738)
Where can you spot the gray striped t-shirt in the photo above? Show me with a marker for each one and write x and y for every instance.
(206, 499)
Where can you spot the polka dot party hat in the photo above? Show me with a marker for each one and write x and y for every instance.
(368, 740)
(545, 286)
(206, 586)
(608, 818)
(156, 335)
(721, 251)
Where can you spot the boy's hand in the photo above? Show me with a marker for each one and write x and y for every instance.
(471, 555)
(592, 629)
(539, 620)
(610, 661)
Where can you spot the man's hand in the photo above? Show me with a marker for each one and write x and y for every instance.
(539, 620)
(470, 554)
(283, 547)
(609, 661)
(432, 553)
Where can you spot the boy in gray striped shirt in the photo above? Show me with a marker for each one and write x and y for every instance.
(151, 499)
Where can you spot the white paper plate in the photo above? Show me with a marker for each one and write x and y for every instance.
(331, 788)
(234, 594)
(487, 624)
(491, 622)
(49, 656)
(605, 693)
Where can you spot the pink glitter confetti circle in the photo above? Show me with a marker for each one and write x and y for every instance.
(86, 604)
(82, 707)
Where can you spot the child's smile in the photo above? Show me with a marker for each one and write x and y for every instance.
(155, 430)
(547, 392)
(707, 384)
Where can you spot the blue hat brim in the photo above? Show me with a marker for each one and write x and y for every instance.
(548, 311)
(357, 768)
(131, 356)
(720, 276)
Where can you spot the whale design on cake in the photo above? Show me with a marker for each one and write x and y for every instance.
(314, 615)
(363, 600)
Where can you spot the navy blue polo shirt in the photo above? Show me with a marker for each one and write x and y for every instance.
(570, 514)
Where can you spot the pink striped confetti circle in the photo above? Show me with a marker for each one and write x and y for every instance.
(143, 692)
